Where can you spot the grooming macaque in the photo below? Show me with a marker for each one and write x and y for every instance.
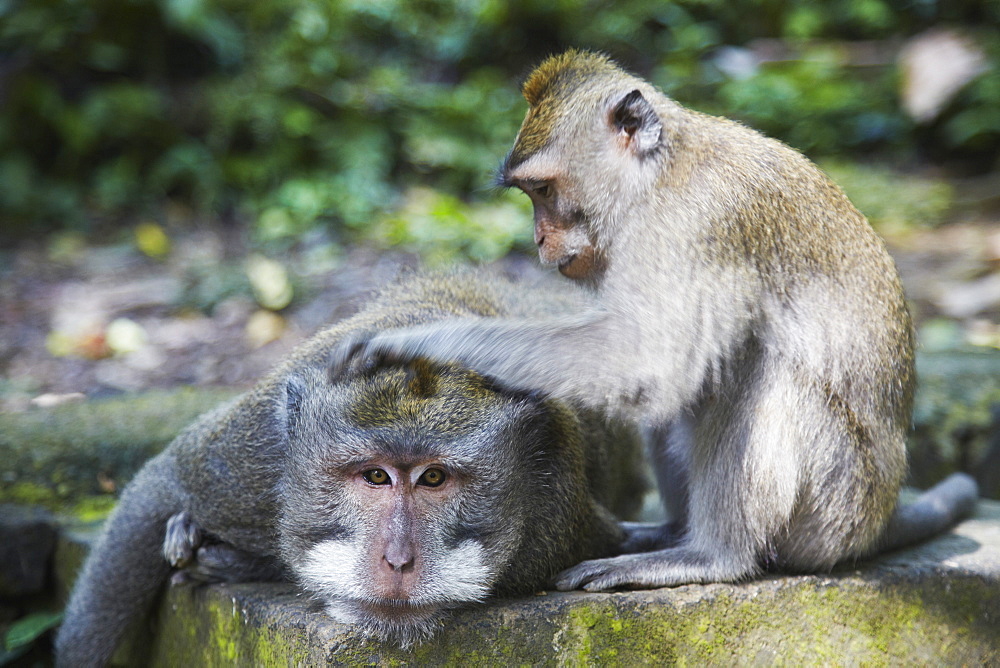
(390, 497)
(741, 306)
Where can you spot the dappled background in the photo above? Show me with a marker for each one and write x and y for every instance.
(190, 187)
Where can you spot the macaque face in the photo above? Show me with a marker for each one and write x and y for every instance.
(385, 519)
(562, 234)
(581, 155)
(395, 560)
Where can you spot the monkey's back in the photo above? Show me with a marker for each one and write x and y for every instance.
(828, 301)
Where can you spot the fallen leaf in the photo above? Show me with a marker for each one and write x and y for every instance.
(152, 240)
(125, 336)
(263, 327)
(269, 281)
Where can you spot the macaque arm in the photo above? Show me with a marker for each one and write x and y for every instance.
(589, 356)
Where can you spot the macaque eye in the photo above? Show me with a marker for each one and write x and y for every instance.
(376, 477)
(431, 478)
(544, 190)
(537, 189)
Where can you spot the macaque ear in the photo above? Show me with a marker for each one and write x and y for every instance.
(295, 389)
(634, 117)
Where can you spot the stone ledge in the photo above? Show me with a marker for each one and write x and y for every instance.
(936, 604)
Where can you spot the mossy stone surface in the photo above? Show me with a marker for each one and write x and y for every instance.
(937, 604)
(75, 457)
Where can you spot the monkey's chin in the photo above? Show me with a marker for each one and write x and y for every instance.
(565, 263)
(398, 622)
(584, 266)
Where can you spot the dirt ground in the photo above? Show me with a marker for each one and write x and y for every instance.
(199, 321)
(191, 317)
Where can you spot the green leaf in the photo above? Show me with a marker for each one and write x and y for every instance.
(28, 629)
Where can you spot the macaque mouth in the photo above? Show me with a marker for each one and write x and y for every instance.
(398, 607)
(567, 260)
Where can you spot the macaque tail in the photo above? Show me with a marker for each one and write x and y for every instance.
(935, 511)
(123, 572)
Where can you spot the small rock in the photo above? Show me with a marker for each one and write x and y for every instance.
(49, 399)
(125, 336)
(936, 65)
(969, 299)
(264, 327)
(270, 282)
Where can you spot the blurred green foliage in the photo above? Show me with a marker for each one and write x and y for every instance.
(293, 114)
(955, 417)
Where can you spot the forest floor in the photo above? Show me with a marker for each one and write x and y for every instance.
(96, 320)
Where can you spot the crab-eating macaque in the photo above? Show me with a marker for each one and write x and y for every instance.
(391, 497)
(741, 307)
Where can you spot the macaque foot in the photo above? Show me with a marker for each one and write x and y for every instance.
(646, 536)
(202, 559)
(183, 537)
(649, 570)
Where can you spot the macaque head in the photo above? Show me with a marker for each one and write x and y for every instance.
(582, 155)
(404, 493)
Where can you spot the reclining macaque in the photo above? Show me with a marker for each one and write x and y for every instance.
(391, 497)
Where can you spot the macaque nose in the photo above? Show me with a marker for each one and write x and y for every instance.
(399, 557)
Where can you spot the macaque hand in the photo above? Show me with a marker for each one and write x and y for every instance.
(361, 354)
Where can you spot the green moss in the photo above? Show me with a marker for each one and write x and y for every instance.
(88, 508)
(812, 624)
(786, 622)
(29, 494)
(93, 508)
(892, 201)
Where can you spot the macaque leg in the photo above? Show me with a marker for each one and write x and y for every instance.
(743, 487)
(669, 445)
